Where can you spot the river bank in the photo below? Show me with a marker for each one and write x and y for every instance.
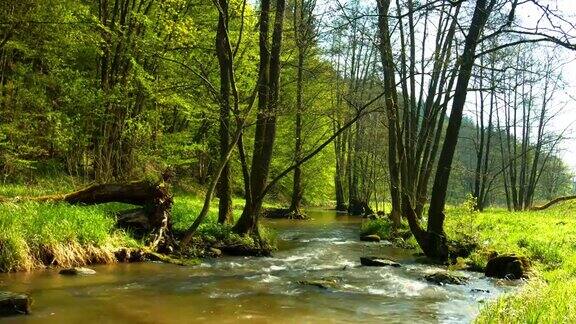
(65, 235)
(547, 238)
(232, 289)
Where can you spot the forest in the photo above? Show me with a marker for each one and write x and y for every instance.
(287, 160)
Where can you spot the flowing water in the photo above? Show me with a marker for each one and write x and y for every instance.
(261, 290)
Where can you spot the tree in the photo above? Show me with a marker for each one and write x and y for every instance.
(555, 179)
(354, 54)
(482, 182)
(305, 38)
(416, 117)
(268, 87)
(528, 112)
(433, 240)
(225, 62)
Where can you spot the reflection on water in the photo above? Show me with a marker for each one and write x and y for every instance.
(235, 289)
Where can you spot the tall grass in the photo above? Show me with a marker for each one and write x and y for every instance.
(41, 186)
(36, 234)
(187, 207)
(381, 227)
(537, 302)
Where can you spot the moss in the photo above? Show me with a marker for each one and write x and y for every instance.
(177, 260)
(221, 236)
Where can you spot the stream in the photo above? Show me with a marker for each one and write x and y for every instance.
(261, 290)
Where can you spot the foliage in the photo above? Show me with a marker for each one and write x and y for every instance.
(470, 203)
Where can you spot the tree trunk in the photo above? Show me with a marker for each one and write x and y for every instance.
(338, 184)
(266, 119)
(391, 109)
(222, 41)
(552, 202)
(438, 199)
(301, 46)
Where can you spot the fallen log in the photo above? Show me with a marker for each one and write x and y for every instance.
(553, 202)
(134, 193)
(153, 217)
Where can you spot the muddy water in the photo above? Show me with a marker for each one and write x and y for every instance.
(261, 290)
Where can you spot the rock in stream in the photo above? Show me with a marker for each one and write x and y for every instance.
(372, 261)
(323, 283)
(445, 278)
(14, 304)
(77, 271)
(370, 238)
(507, 266)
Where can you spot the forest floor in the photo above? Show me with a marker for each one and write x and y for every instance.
(32, 232)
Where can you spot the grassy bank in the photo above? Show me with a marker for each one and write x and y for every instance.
(33, 235)
(210, 234)
(548, 239)
(382, 227)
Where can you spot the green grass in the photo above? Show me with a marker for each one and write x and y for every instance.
(212, 232)
(384, 228)
(33, 234)
(537, 302)
(548, 239)
(381, 227)
(42, 186)
(187, 207)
